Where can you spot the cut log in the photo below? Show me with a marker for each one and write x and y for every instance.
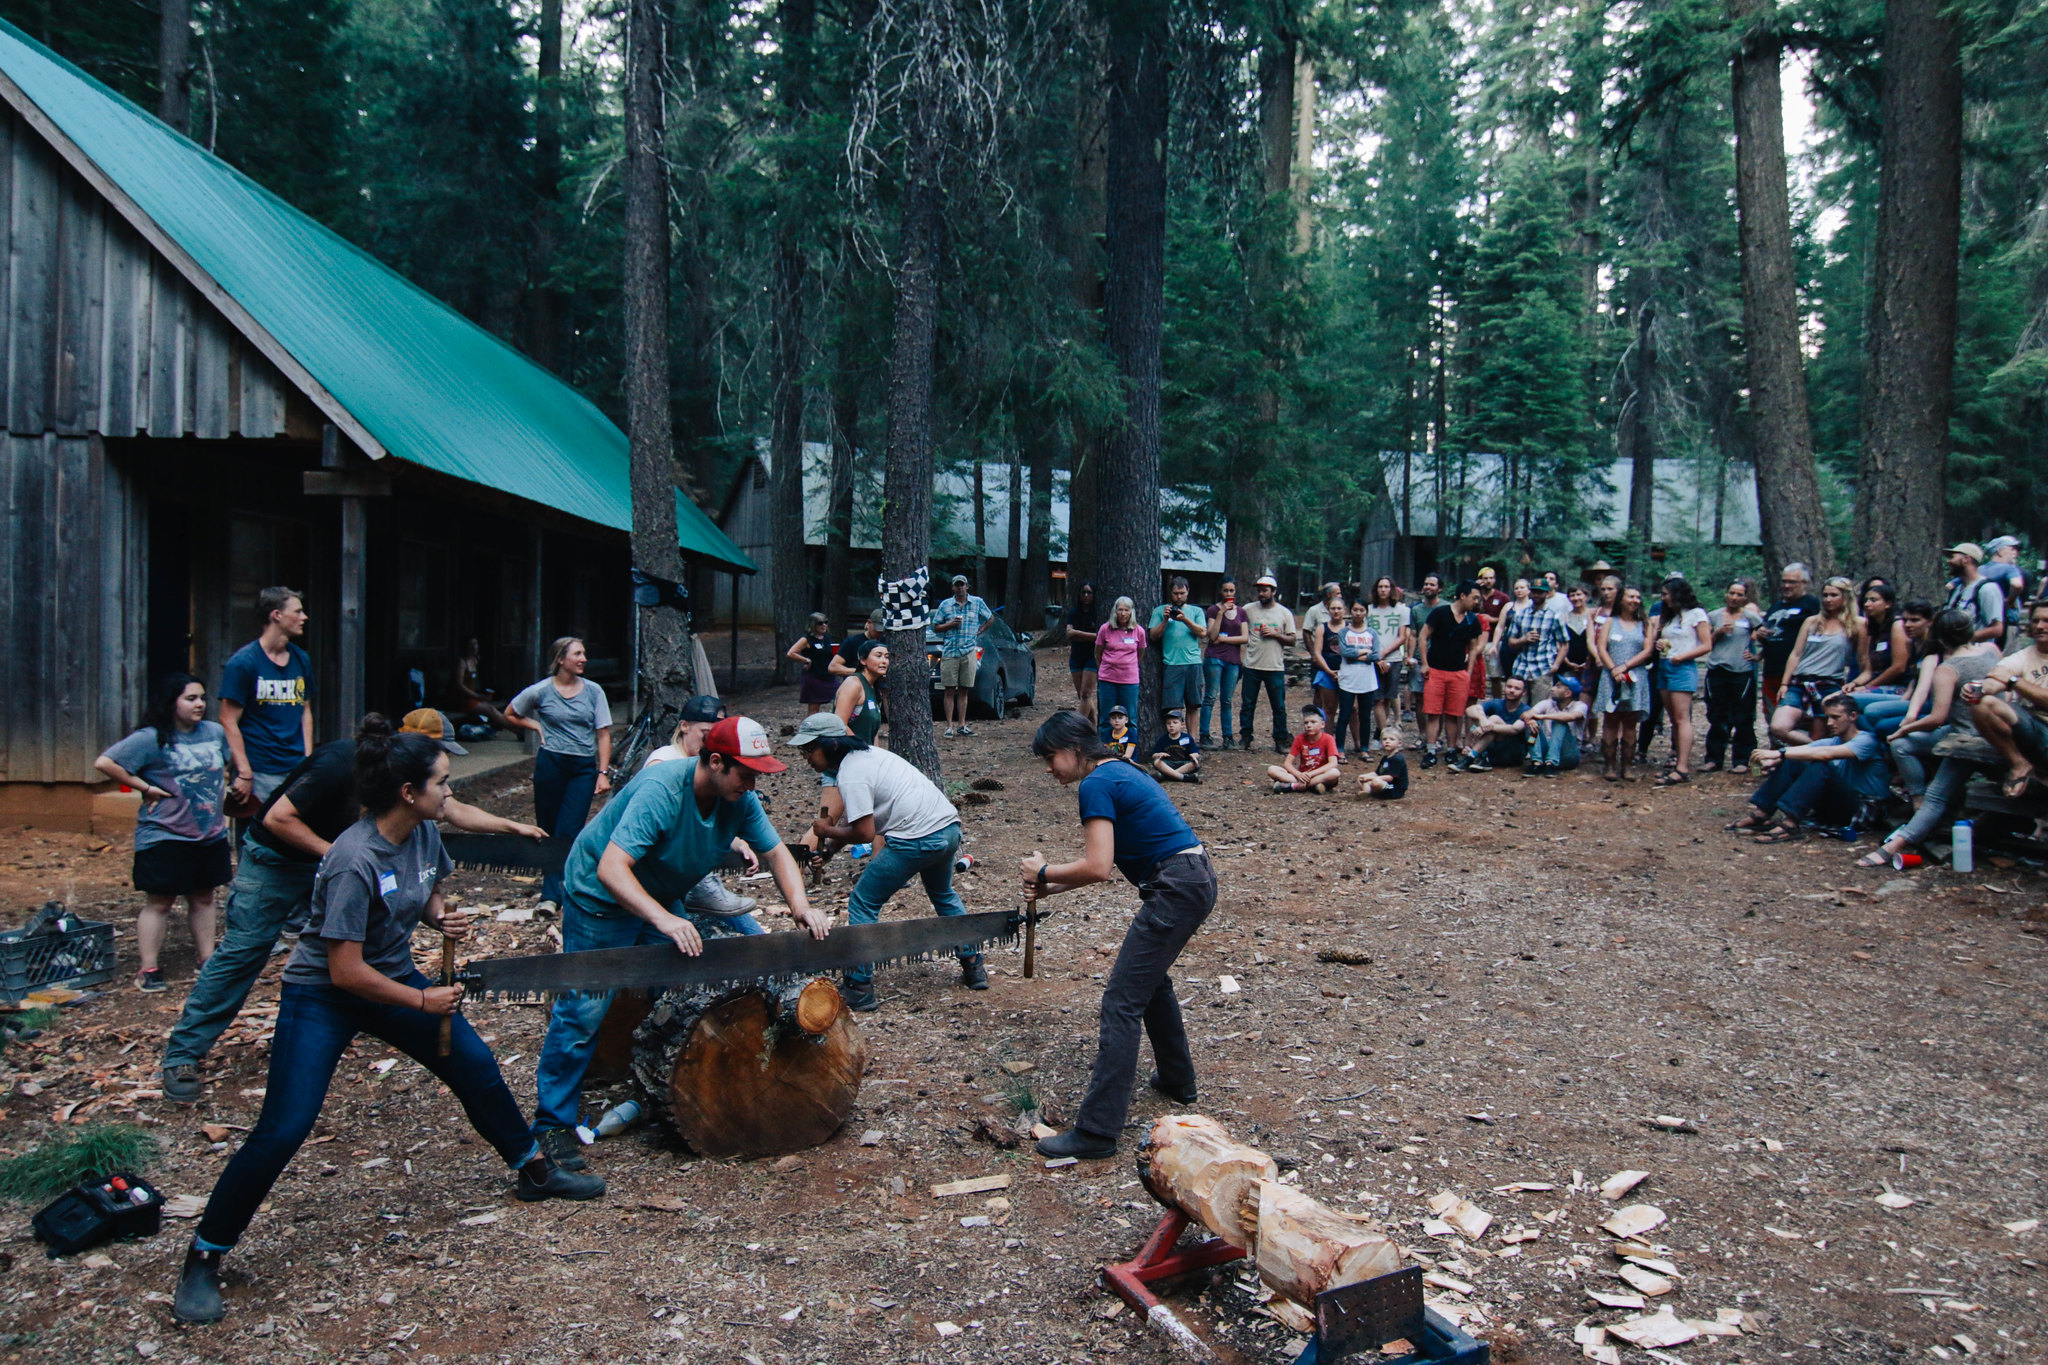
(1304, 1248)
(818, 1006)
(734, 1073)
(1190, 1163)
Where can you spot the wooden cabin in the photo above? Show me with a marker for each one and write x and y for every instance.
(205, 393)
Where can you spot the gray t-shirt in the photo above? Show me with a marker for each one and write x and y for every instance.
(569, 725)
(371, 892)
(904, 802)
(193, 769)
(1728, 649)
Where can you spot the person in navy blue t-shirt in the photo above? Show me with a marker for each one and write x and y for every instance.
(1128, 826)
(263, 699)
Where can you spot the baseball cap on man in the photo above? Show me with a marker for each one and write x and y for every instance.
(1967, 547)
(702, 710)
(431, 723)
(745, 742)
(959, 578)
(819, 725)
(1992, 547)
(1266, 580)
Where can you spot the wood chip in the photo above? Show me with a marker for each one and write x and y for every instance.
(479, 1220)
(1227, 984)
(1716, 1328)
(2023, 1225)
(871, 1138)
(946, 1329)
(1019, 1068)
(1663, 1328)
(1896, 1201)
(1442, 1281)
(1662, 1267)
(1670, 1123)
(1524, 1187)
(184, 1206)
(1647, 1281)
(1607, 1299)
(1635, 1220)
(1470, 1221)
(978, 1185)
(1620, 1183)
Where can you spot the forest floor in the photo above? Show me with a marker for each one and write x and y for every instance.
(1553, 964)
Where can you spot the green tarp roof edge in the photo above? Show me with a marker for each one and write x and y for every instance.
(432, 387)
(698, 534)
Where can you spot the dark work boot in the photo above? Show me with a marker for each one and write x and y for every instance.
(560, 1146)
(1178, 1095)
(1076, 1143)
(545, 1178)
(198, 1299)
(860, 996)
(973, 975)
(181, 1083)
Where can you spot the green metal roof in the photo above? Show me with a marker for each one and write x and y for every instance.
(700, 535)
(427, 384)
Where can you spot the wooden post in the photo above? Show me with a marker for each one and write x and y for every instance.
(536, 634)
(354, 558)
(733, 668)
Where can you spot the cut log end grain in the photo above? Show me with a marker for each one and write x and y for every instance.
(818, 1006)
(1190, 1163)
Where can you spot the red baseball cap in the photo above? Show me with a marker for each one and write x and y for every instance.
(744, 741)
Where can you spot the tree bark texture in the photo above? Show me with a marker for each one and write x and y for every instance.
(1013, 545)
(790, 563)
(1038, 561)
(839, 516)
(1080, 239)
(174, 64)
(1133, 307)
(665, 672)
(544, 310)
(1902, 483)
(907, 477)
(1788, 487)
(1635, 436)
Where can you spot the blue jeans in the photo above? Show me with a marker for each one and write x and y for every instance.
(1798, 790)
(1555, 744)
(1911, 753)
(1221, 679)
(315, 1025)
(1108, 694)
(563, 787)
(1274, 682)
(929, 859)
(573, 1020)
(1943, 800)
(1880, 712)
(270, 891)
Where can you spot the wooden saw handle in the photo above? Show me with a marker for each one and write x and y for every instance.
(447, 979)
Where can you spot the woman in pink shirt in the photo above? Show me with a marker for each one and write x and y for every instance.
(1117, 648)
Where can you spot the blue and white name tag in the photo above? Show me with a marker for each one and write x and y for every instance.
(387, 883)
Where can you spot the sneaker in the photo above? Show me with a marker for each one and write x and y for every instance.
(547, 910)
(1282, 788)
(1208, 743)
(198, 1299)
(181, 1083)
(1429, 757)
(1478, 763)
(712, 897)
(973, 975)
(966, 729)
(1182, 1095)
(1460, 762)
(1192, 777)
(560, 1147)
(1320, 788)
(860, 996)
(1532, 770)
(152, 981)
(949, 732)
(1074, 1142)
(556, 1182)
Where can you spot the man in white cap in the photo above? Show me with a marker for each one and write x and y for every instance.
(627, 873)
(2003, 568)
(958, 622)
(1974, 595)
(1269, 629)
(915, 830)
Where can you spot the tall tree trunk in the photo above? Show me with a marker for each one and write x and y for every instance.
(1247, 551)
(1902, 484)
(1636, 433)
(544, 310)
(1079, 242)
(1038, 563)
(1013, 544)
(791, 563)
(907, 480)
(174, 64)
(665, 674)
(839, 517)
(980, 528)
(1133, 307)
(1304, 153)
(1787, 486)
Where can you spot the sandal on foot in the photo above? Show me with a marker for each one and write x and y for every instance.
(1780, 834)
(2015, 784)
(1748, 824)
(1875, 858)
(1674, 778)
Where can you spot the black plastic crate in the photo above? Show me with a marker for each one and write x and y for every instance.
(69, 952)
(114, 1207)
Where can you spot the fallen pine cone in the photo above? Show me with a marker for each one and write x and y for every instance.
(1346, 956)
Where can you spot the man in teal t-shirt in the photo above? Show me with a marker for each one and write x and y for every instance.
(625, 881)
(1180, 631)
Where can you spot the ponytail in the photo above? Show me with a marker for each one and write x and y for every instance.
(387, 761)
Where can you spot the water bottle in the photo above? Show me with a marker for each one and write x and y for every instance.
(963, 863)
(1962, 852)
(618, 1119)
(859, 850)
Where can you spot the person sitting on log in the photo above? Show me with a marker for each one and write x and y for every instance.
(1129, 825)
(885, 798)
(641, 856)
(353, 973)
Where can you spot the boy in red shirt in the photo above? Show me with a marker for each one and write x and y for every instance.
(1312, 763)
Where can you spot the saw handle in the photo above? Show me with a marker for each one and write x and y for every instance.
(1030, 938)
(447, 979)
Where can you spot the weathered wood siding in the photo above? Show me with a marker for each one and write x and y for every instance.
(101, 334)
(748, 525)
(71, 619)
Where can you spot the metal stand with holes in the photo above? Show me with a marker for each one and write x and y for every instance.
(1354, 1318)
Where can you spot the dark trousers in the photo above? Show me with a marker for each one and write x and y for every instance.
(1176, 899)
(563, 788)
(1799, 791)
(315, 1025)
(270, 892)
(1274, 683)
(1731, 715)
(1363, 703)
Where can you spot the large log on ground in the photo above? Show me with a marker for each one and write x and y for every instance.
(1190, 1163)
(751, 1072)
(1305, 1248)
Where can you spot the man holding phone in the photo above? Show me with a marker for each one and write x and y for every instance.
(1180, 632)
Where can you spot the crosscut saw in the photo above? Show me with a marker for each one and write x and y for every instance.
(735, 960)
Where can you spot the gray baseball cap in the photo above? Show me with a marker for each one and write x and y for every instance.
(822, 725)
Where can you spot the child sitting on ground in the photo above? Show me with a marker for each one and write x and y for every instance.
(1389, 782)
(1122, 741)
(1175, 758)
(1312, 763)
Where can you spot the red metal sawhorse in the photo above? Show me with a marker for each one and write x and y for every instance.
(1132, 1280)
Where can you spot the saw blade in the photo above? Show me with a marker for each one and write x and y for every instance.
(735, 959)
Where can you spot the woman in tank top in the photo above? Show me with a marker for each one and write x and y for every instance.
(1822, 658)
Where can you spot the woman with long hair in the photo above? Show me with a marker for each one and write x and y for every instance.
(1885, 652)
(1386, 616)
(1119, 645)
(1578, 641)
(570, 714)
(1624, 649)
(177, 762)
(1083, 620)
(1682, 641)
(1882, 712)
(1222, 662)
(1822, 658)
(352, 973)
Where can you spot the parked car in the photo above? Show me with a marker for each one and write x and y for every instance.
(1006, 675)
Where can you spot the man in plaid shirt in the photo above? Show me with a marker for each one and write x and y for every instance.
(1538, 636)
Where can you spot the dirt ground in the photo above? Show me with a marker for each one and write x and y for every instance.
(1554, 964)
